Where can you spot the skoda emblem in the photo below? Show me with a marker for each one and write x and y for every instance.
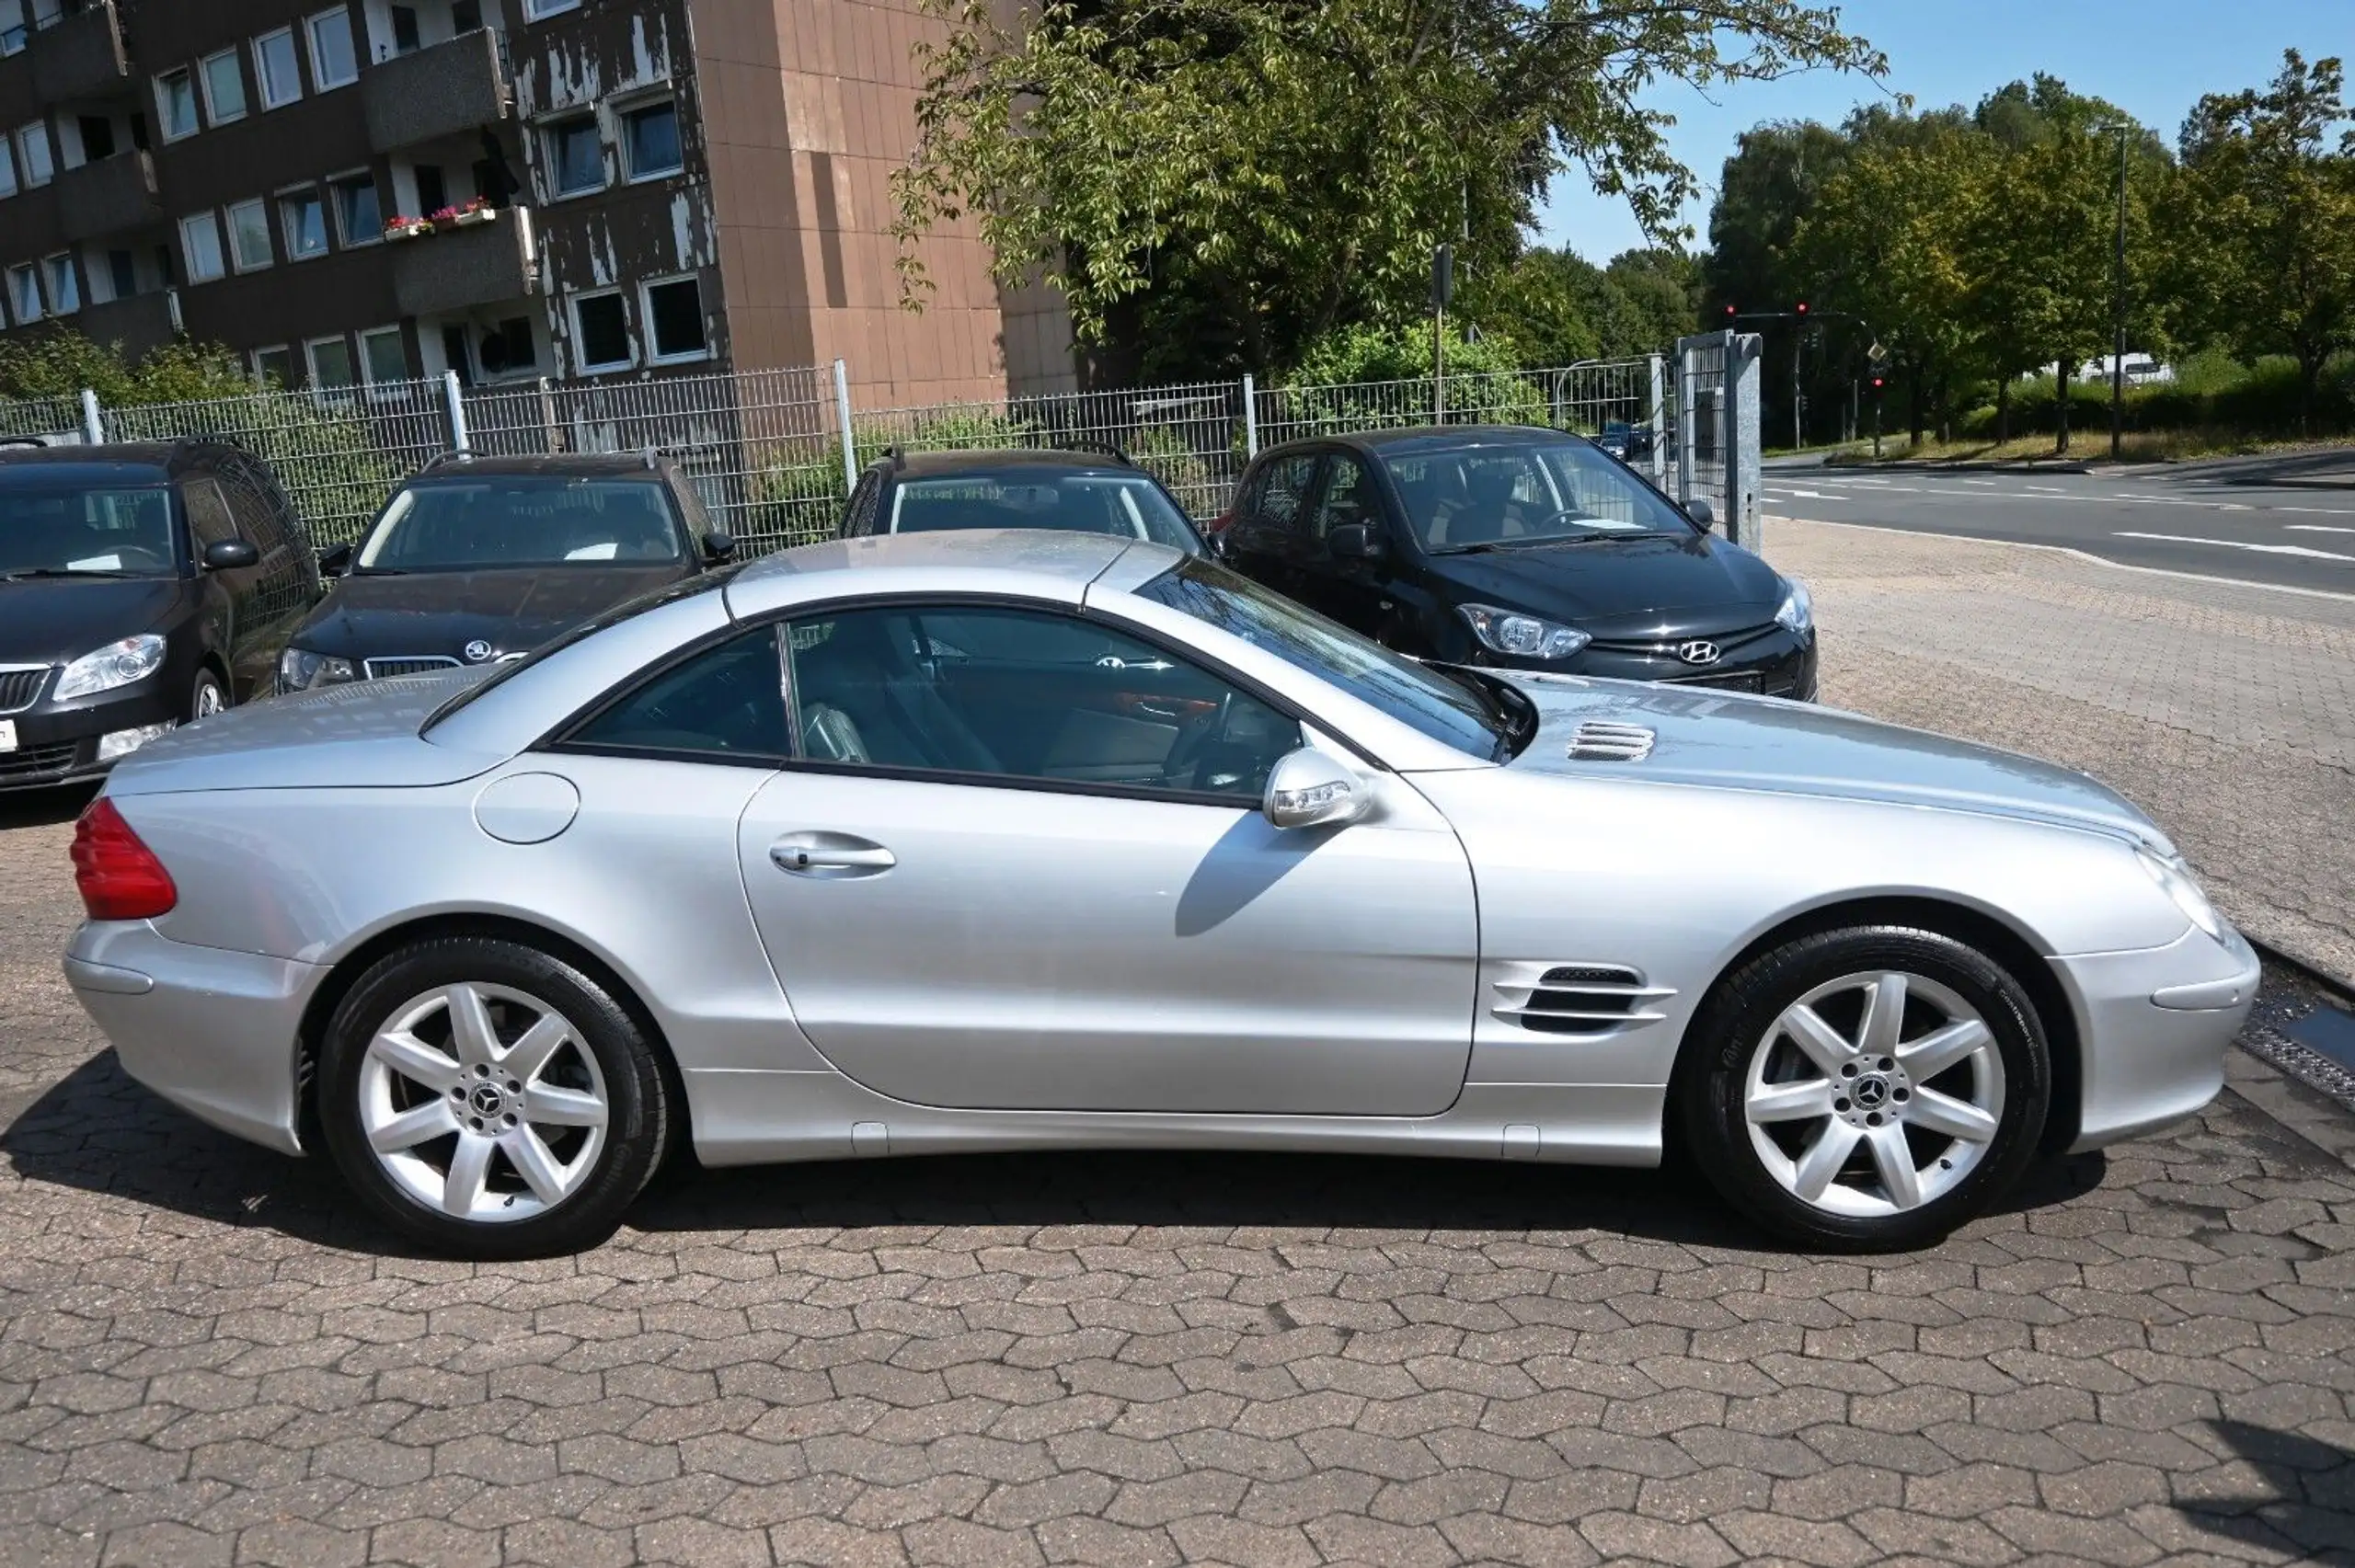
(1690, 652)
(478, 650)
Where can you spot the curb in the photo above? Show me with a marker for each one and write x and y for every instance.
(1962, 466)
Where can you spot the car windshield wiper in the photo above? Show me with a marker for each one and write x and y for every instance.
(380, 571)
(22, 573)
(1515, 725)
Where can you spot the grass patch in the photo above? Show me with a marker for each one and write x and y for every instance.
(2084, 446)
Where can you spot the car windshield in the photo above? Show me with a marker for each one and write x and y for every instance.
(58, 528)
(524, 519)
(1462, 714)
(1125, 505)
(1501, 492)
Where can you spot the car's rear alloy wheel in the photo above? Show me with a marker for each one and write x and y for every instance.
(208, 697)
(491, 1099)
(1870, 1087)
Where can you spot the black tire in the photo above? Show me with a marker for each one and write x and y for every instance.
(640, 1116)
(1735, 1022)
(207, 682)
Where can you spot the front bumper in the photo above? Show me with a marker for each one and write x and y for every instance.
(58, 742)
(2154, 1026)
(215, 1032)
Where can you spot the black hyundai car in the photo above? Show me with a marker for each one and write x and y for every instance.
(1521, 547)
(477, 559)
(141, 586)
(1073, 491)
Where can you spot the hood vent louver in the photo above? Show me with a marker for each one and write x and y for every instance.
(1576, 999)
(1600, 740)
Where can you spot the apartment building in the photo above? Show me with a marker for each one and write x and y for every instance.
(604, 189)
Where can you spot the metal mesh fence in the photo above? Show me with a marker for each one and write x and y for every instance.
(1699, 418)
(767, 448)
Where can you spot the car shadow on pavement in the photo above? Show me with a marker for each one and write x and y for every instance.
(44, 808)
(98, 1131)
(2294, 1498)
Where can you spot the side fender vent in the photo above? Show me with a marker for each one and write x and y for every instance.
(1577, 998)
(1600, 740)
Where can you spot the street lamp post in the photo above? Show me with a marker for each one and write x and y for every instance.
(2118, 302)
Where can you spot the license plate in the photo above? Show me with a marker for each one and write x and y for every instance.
(8, 735)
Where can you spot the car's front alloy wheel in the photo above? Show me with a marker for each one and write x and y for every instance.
(1871, 1087)
(491, 1099)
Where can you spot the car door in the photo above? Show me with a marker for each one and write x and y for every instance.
(1053, 890)
(1350, 589)
(1266, 540)
(286, 580)
(229, 596)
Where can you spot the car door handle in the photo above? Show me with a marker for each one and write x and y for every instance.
(831, 856)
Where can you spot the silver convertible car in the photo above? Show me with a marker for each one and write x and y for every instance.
(990, 841)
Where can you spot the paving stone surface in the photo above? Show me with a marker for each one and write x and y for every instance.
(2226, 712)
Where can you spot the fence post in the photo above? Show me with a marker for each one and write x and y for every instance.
(1658, 417)
(454, 403)
(1686, 434)
(842, 418)
(94, 428)
(1745, 523)
(1250, 418)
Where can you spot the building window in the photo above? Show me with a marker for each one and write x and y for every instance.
(406, 38)
(97, 136)
(23, 294)
(601, 332)
(535, 10)
(576, 160)
(359, 218)
(12, 27)
(122, 272)
(276, 68)
(249, 235)
(32, 154)
(275, 367)
(176, 104)
(651, 140)
(382, 357)
(225, 86)
(304, 225)
(7, 169)
(510, 347)
(331, 366)
(64, 286)
(333, 63)
(200, 248)
(673, 316)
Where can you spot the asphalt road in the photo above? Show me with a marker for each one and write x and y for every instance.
(2217, 522)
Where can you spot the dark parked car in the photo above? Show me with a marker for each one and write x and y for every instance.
(1624, 441)
(1527, 548)
(141, 586)
(1076, 492)
(479, 559)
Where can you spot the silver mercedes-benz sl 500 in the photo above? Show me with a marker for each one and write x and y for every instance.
(998, 840)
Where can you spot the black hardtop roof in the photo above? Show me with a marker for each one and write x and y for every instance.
(980, 460)
(568, 464)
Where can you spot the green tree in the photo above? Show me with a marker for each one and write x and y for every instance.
(60, 363)
(1214, 184)
(2261, 222)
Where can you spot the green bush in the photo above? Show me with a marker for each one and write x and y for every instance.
(2209, 391)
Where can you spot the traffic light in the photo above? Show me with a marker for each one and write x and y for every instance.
(1731, 313)
(1878, 383)
(1801, 308)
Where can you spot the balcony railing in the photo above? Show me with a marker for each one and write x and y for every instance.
(478, 265)
(438, 91)
(80, 56)
(135, 325)
(107, 197)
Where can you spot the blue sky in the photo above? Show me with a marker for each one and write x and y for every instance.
(2153, 57)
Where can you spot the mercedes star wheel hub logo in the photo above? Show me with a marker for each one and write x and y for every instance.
(1871, 1093)
(1694, 652)
(476, 651)
(487, 1100)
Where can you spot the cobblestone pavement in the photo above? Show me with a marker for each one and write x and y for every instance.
(208, 1356)
(2225, 711)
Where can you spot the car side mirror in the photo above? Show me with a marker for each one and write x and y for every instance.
(230, 555)
(334, 561)
(718, 545)
(1702, 512)
(1307, 788)
(1356, 542)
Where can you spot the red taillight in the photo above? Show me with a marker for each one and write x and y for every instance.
(119, 878)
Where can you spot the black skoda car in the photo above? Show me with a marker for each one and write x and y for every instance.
(479, 559)
(1522, 547)
(1073, 491)
(141, 586)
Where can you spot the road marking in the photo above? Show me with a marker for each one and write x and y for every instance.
(2239, 544)
(2313, 528)
(2086, 555)
(2317, 511)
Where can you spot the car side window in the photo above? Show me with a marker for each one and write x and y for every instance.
(1025, 696)
(208, 518)
(1348, 499)
(1284, 492)
(723, 705)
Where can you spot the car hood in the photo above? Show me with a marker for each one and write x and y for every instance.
(420, 613)
(360, 735)
(1647, 587)
(1728, 740)
(51, 620)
